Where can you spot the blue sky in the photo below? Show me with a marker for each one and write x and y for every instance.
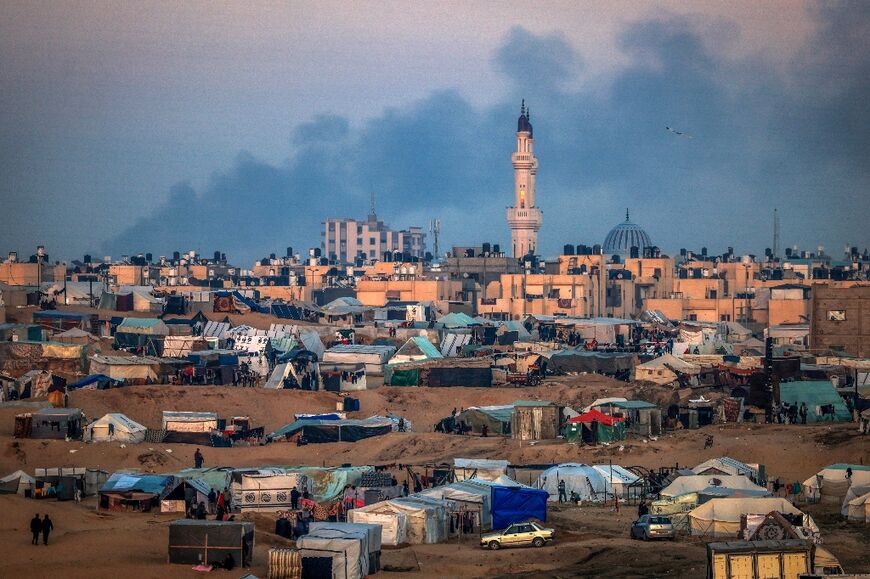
(154, 126)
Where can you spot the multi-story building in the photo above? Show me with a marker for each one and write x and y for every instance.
(348, 240)
(840, 319)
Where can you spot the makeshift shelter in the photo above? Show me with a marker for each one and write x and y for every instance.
(464, 497)
(373, 538)
(189, 427)
(347, 430)
(93, 382)
(459, 375)
(75, 336)
(641, 418)
(19, 482)
(336, 553)
(697, 483)
(536, 420)
(193, 542)
(135, 369)
(582, 361)
(497, 419)
(50, 423)
(479, 468)
(115, 427)
(593, 427)
(62, 482)
(413, 520)
(662, 370)
(145, 333)
(831, 483)
(139, 492)
(374, 357)
(725, 465)
(585, 481)
(858, 508)
(456, 320)
(343, 377)
(618, 477)
(515, 503)
(677, 508)
(721, 517)
(182, 346)
(416, 349)
(823, 402)
(453, 342)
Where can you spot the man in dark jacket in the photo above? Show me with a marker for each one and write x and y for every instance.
(35, 528)
(294, 498)
(197, 459)
(47, 527)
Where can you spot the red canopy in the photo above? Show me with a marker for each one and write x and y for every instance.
(596, 416)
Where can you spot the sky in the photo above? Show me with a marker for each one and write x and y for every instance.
(128, 127)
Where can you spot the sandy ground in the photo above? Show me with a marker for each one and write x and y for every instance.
(592, 541)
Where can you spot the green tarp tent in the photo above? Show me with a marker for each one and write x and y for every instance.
(816, 394)
(404, 377)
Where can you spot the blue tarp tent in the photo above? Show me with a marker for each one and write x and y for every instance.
(513, 504)
(97, 381)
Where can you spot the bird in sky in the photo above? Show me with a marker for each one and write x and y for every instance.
(678, 133)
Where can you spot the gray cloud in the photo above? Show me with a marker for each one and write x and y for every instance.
(795, 139)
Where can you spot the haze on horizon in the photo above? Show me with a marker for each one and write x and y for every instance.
(155, 126)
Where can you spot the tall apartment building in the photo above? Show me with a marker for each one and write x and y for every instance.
(346, 239)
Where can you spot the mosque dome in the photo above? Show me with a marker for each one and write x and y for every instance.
(624, 236)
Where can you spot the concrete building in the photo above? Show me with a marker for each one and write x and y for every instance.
(345, 240)
(840, 319)
(524, 218)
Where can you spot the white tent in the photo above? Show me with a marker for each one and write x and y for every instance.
(858, 509)
(721, 517)
(415, 520)
(620, 478)
(17, 482)
(482, 468)
(831, 483)
(468, 494)
(725, 465)
(582, 479)
(185, 421)
(115, 427)
(699, 482)
(348, 549)
(660, 370)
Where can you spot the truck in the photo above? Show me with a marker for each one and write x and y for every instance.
(786, 559)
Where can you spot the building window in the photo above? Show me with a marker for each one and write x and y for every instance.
(372, 254)
(371, 240)
(693, 317)
(725, 318)
(836, 315)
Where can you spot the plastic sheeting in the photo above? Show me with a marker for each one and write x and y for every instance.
(697, 483)
(425, 520)
(582, 479)
(394, 525)
(123, 429)
(515, 504)
(721, 517)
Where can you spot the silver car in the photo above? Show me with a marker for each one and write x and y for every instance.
(653, 527)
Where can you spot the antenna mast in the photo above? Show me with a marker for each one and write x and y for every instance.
(435, 228)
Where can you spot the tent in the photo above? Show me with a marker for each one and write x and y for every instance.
(456, 320)
(16, 483)
(464, 496)
(373, 538)
(416, 349)
(587, 482)
(185, 421)
(182, 346)
(346, 430)
(515, 503)
(858, 509)
(697, 483)
(194, 541)
(75, 336)
(725, 465)
(816, 394)
(617, 476)
(594, 426)
(721, 517)
(413, 520)
(661, 370)
(831, 483)
(479, 468)
(578, 361)
(346, 548)
(374, 357)
(115, 427)
(139, 492)
(496, 418)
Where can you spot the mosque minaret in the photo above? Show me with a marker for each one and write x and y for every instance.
(524, 218)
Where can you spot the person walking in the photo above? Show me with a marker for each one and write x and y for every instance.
(642, 508)
(563, 498)
(212, 501)
(47, 528)
(197, 459)
(294, 498)
(35, 528)
(803, 412)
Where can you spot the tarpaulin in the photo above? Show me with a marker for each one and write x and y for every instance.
(514, 504)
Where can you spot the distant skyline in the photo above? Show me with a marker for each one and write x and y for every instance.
(161, 126)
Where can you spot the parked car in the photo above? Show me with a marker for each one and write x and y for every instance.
(653, 527)
(518, 535)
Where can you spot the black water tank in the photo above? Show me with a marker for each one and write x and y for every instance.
(469, 252)
(634, 252)
(486, 248)
(217, 256)
(388, 256)
(289, 252)
(87, 258)
(704, 251)
(568, 250)
(176, 256)
(497, 249)
(596, 249)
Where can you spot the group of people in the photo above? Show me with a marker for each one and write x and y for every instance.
(42, 526)
(785, 413)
